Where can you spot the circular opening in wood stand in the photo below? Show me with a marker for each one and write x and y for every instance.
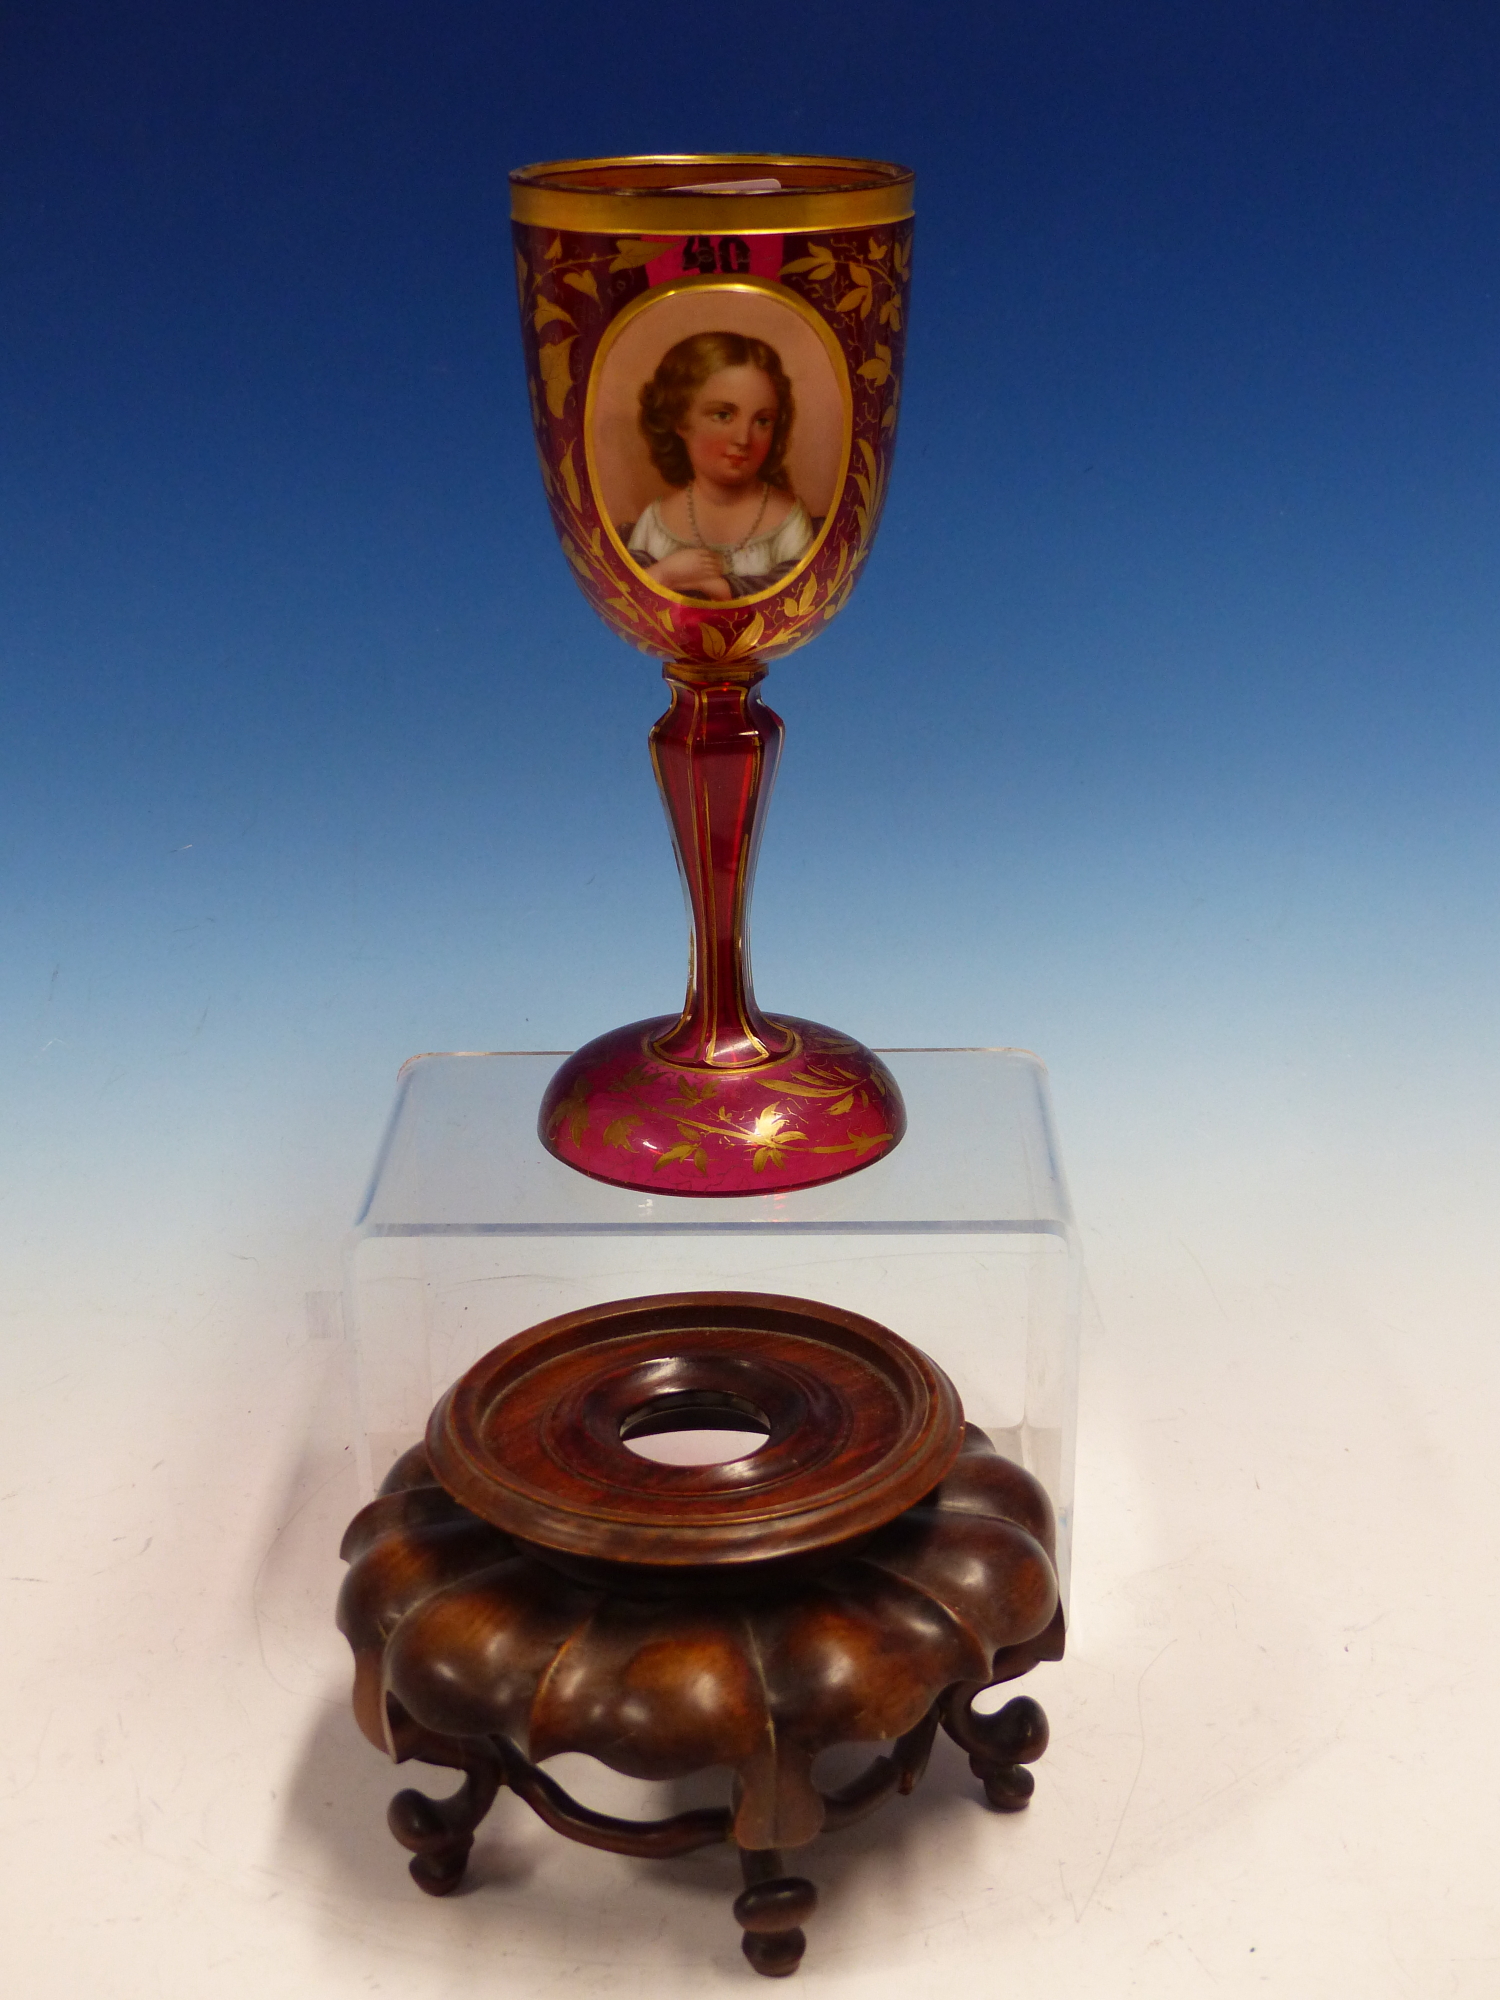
(695, 1427)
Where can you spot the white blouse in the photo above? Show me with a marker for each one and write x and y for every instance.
(790, 540)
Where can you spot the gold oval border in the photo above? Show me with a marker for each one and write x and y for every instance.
(768, 288)
(789, 211)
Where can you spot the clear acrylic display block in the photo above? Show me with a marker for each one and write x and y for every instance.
(962, 1240)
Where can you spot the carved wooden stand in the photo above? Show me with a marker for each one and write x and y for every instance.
(525, 1584)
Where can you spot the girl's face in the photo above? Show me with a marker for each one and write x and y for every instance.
(729, 425)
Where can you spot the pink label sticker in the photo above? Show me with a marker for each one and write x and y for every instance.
(716, 256)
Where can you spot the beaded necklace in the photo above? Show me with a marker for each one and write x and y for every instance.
(727, 548)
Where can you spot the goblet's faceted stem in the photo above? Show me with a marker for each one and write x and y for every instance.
(721, 1099)
(715, 752)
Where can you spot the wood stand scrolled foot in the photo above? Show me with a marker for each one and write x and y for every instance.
(771, 1909)
(439, 1833)
(999, 1745)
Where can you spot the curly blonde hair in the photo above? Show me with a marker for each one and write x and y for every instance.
(682, 372)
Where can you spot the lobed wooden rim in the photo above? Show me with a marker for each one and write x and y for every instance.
(862, 1425)
(640, 194)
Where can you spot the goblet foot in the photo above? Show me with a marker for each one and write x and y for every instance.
(617, 1112)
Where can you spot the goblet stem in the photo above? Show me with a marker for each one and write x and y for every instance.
(715, 753)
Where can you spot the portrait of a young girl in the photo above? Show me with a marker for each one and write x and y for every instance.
(717, 420)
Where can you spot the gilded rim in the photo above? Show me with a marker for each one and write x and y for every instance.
(587, 195)
(766, 288)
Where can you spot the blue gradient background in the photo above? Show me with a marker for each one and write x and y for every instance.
(1159, 737)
